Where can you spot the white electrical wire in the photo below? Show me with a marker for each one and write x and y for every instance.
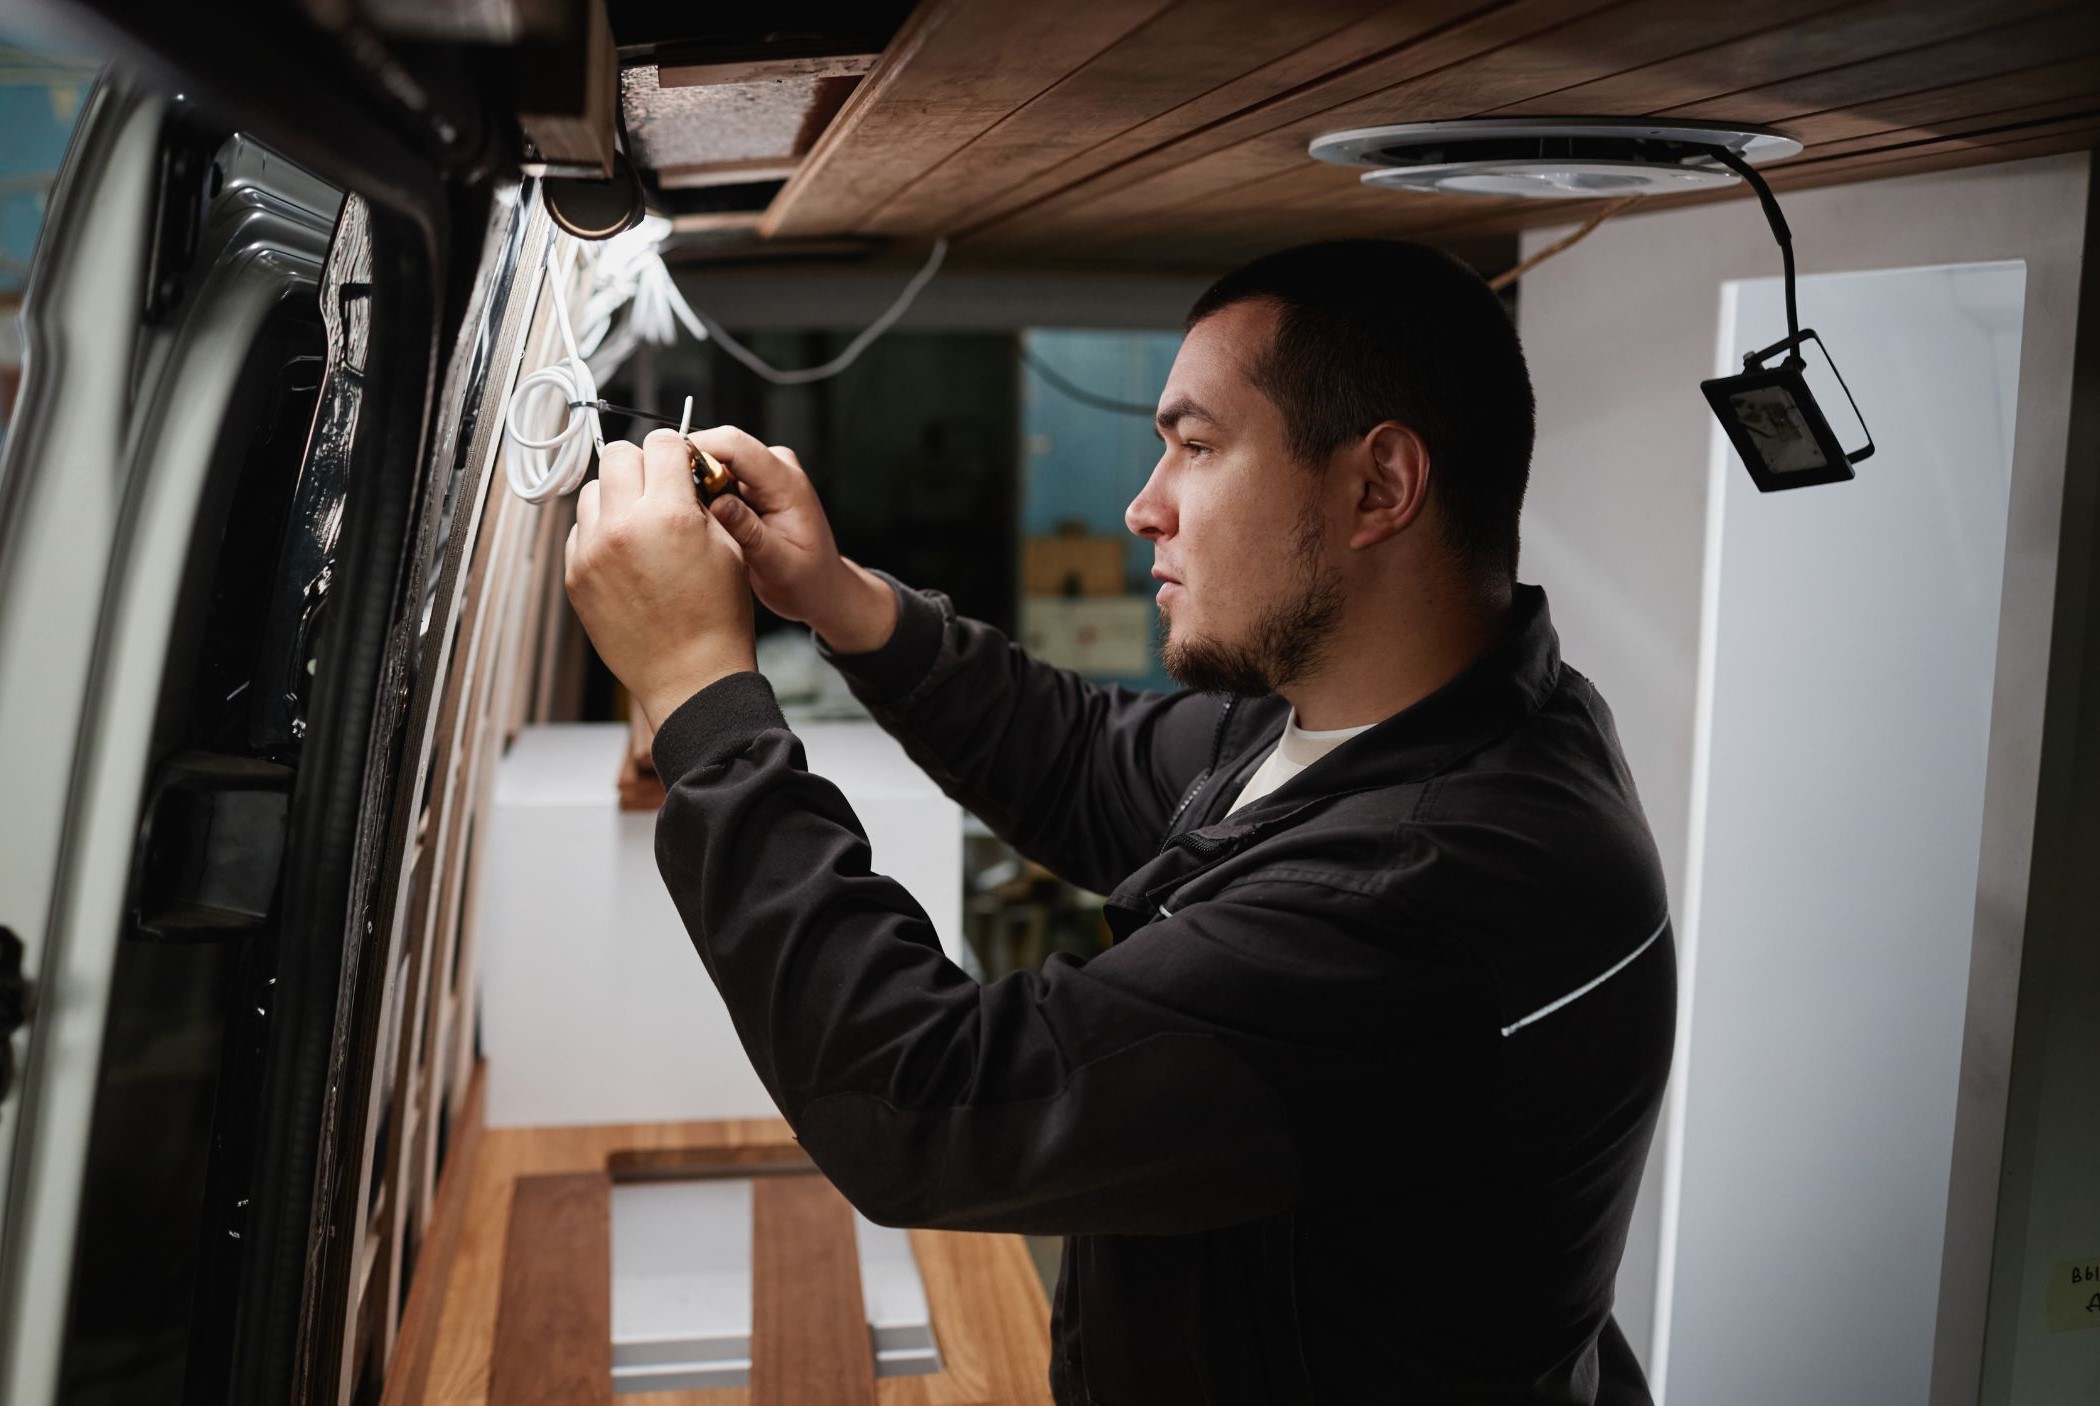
(703, 326)
(554, 458)
(627, 271)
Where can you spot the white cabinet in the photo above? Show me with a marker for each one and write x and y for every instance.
(595, 1007)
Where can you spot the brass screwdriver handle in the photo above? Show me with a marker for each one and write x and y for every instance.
(710, 475)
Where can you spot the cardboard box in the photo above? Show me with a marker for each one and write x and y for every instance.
(1072, 565)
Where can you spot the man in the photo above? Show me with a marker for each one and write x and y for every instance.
(1355, 1108)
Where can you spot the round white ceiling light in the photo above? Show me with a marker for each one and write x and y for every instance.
(1551, 158)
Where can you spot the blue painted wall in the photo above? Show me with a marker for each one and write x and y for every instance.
(1084, 464)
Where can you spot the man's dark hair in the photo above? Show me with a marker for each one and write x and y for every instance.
(1379, 329)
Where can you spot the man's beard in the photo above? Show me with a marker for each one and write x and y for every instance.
(1289, 639)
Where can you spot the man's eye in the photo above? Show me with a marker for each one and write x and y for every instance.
(1195, 448)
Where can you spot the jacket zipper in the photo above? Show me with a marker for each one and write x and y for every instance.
(1217, 743)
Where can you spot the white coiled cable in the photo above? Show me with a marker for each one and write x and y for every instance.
(554, 456)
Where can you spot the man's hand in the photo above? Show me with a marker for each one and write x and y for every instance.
(795, 565)
(659, 584)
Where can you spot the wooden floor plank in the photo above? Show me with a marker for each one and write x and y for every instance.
(809, 1331)
(467, 1330)
(988, 1309)
(1005, 1361)
(554, 1317)
(687, 1163)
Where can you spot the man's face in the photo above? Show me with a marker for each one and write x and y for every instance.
(1240, 541)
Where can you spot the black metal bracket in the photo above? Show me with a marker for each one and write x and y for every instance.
(17, 1000)
(210, 847)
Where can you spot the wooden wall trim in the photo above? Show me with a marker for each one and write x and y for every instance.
(408, 1373)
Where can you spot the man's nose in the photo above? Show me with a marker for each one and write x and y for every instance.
(1149, 515)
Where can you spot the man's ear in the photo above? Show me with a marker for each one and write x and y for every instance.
(1395, 482)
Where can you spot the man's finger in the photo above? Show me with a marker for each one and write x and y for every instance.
(781, 451)
(766, 481)
(728, 540)
(587, 507)
(620, 474)
(667, 470)
(746, 528)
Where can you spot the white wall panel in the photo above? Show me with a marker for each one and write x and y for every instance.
(1841, 761)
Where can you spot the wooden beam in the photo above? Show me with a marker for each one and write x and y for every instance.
(567, 93)
(763, 70)
(700, 175)
(554, 1319)
(809, 1330)
(691, 1163)
(716, 222)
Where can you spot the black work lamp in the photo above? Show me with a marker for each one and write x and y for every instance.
(1767, 409)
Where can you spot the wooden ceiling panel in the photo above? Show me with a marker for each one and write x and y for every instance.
(1761, 55)
(1403, 39)
(1219, 156)
(1275, 169)
(1988, 129)
(1173, 132)
(1176, 58)
(956, 68)
(1973, 104)
(1271, 211)
(1387, 30)
(1859, 86)
(1268, 182)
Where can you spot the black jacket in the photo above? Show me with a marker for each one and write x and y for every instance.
(1353, 1110)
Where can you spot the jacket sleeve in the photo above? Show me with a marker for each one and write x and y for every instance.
(1170, 1085)
(1081, 778)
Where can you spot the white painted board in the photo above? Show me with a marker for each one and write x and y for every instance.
(682, 1294)
(1838, 822)
(595, 1008)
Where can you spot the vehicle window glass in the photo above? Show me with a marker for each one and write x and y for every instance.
(42, 92)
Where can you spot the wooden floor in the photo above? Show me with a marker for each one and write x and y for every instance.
(989, 1313)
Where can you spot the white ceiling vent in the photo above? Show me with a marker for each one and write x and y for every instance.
(1570, 158)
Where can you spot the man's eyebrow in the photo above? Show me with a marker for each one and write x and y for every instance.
(1178, 409)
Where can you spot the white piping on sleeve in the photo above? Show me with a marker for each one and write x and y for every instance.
(1591, 985)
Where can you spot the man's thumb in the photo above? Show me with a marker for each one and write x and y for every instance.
(735, 515)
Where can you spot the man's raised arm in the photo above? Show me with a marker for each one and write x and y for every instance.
(1081, 778)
